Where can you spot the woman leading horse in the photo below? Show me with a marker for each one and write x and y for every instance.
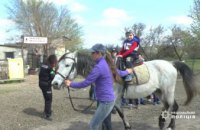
(163, 76)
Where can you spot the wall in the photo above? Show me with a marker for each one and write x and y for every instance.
(17, 52)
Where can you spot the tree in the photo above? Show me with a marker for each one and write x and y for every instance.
(195, 15)
(43, 19)
(178, 41)
(194, 37)
(195, 26)
(137, 29)
(152, 41)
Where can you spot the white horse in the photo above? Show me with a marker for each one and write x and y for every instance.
(162, 81)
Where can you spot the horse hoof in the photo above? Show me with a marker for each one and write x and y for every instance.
(170, 128)
(161, 126)
(127, 128)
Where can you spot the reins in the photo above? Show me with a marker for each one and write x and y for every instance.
(65, 78)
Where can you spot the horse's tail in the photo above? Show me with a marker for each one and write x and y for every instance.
(188, 80)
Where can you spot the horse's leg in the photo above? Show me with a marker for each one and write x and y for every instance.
(119, 95)
(121, 114)
(91, 92)
(103, 127)
(162, 120)
(174, 110)
(170, 105)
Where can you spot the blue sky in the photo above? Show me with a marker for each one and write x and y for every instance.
(103, 21)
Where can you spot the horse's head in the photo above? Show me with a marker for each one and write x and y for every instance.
(66, 69)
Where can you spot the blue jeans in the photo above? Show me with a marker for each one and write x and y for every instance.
(103, 110)
(107, 124)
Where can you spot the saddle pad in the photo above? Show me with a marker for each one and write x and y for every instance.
(142, 74)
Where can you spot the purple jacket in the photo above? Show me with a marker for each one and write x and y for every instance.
(102, 77)
(122, 73)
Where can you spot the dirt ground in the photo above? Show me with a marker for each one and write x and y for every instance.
(21, 106)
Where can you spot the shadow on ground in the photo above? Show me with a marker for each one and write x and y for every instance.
(78, 125)
(32, 112)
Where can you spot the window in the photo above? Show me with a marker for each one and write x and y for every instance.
(9, 55)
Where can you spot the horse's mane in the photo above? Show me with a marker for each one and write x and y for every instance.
(62, 57)
(84, 63)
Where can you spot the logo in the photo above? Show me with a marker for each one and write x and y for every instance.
(165, 114)
(178, 115)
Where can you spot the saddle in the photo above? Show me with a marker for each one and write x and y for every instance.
(141, 72)
(141, 75)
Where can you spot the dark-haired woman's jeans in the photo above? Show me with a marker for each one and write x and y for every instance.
(103, 110)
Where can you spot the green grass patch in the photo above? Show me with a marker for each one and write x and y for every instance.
(194, 64)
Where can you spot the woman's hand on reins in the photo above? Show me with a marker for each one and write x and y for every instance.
(67, 83)
(129, 70)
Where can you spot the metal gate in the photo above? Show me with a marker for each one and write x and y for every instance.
(33, 60)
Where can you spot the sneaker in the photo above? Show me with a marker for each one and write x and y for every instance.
(158, 102)
(130, 106)
(149, 101)
(124, 102)
(142, 102)
(128, 78)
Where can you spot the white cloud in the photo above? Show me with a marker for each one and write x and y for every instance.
(59, 2)
(6, 23)
(80, 20)
(104, 36)
(100, 38)
(114, 17)
(181, 20)
(77, 7)
(73, 6)
(2, 37)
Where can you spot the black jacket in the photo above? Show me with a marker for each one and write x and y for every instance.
(46, 75)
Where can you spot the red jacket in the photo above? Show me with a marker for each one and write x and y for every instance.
(129, 47)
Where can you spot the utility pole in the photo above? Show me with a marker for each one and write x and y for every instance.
(22, 51)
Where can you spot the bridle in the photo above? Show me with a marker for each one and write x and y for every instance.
(72, 69)
(65, 78)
